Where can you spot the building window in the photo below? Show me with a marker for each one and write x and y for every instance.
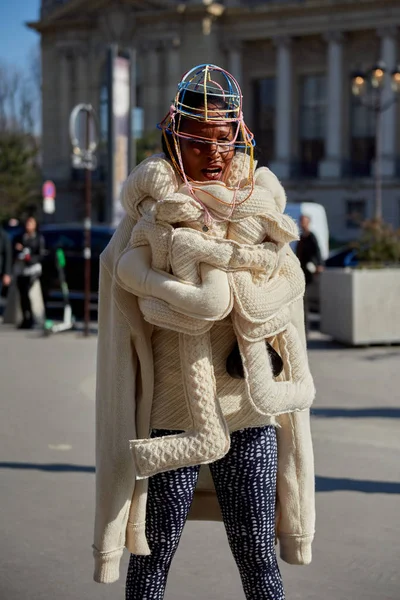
(264, 118)
(356, 213)
(104, 113)
(312, 118)
(362, 146)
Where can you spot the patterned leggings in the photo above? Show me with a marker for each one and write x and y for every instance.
(245, 482)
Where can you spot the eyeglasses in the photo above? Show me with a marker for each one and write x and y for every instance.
(221, 146)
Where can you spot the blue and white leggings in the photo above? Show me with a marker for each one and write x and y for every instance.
(245, 482)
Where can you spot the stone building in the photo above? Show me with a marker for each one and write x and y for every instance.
(293, 59)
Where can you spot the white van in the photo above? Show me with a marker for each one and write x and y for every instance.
(318, 222)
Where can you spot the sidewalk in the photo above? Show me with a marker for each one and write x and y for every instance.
(47, 473)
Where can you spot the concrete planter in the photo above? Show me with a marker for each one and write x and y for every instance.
(361, 306)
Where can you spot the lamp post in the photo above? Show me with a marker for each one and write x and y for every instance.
(83, 130)
(213, 11)
(370, 89)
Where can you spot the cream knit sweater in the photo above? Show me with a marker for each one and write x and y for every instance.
(136, 391)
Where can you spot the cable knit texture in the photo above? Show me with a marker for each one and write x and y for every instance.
(253, 281)
(173, 300)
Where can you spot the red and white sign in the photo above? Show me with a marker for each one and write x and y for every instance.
(49, 190)
(49, 193)
(49, 206)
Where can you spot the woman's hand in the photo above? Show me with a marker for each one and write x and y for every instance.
(19, 247)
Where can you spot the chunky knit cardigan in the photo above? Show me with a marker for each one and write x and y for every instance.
(161, 270)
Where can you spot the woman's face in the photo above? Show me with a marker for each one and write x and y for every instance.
(207, 160)
(30, 226)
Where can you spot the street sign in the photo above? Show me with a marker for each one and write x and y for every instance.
(49, 190)
(49, 206)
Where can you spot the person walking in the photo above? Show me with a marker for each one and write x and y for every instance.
(30, 250)
(5, 260)
(309, 254)
(202, 362)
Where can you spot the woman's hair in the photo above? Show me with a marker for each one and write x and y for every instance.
(196, 101)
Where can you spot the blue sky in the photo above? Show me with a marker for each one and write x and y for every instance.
(16, 40)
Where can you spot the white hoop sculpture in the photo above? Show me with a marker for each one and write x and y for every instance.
(84, 158)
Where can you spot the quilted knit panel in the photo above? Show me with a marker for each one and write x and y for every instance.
(159, 236)
(231, 392)
(259, 301)
(248, 230)
(209, 439)
(169, 410)
(190, 249)
(160, 314)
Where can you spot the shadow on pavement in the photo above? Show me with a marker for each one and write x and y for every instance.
(357, 413)
(383, 356)
(339, 484)
(323, 484)
(327, 343)
(55, 467)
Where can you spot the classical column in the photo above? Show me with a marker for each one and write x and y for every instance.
(133, 105)
(174, 71)
(82, 79)
(281, 166)
(388, 132)
(64, 110)
(153, 112)
(235, 62)
(331, 167)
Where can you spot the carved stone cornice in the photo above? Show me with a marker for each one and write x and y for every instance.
(232, 46)
(390, 31)
(282, 41)
(336, 37)
(148, 45)
(172, 43)
(71, 49)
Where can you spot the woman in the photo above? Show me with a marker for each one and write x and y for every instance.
(201, 356)
(30, 248)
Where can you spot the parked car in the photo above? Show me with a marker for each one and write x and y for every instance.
(342, 257)
(70, 238)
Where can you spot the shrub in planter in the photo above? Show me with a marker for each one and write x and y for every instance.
(379, 245)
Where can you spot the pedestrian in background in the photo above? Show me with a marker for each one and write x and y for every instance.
(309, 254)
(5, 259)
(30, 249)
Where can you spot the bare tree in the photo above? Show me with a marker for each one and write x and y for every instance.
(18, 100)
(20, 177)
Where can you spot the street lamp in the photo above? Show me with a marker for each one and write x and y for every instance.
(372, 90)
(84, 140)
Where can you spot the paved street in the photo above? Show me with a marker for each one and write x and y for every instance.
(47, 480)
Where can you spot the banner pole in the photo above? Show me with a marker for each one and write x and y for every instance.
(87, 231)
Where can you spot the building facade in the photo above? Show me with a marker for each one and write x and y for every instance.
(293, 59)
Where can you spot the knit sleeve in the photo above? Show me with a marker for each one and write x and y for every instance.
(115, 426)
(295, 481)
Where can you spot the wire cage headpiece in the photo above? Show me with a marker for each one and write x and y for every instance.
(209, 80)
(207, 93)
